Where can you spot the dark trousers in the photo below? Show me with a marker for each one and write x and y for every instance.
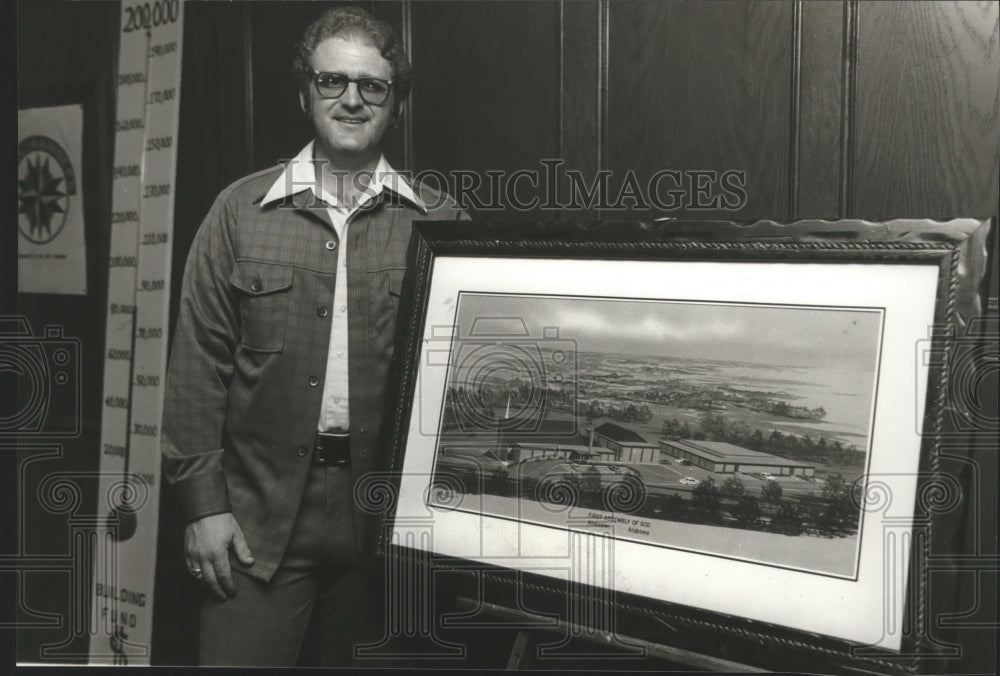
(319, 578)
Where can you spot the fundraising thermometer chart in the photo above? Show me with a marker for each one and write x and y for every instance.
(145, 160)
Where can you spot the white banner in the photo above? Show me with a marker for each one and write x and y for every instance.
(51, 256)
(142, 218)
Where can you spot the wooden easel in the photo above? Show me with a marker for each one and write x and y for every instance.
(529, 638)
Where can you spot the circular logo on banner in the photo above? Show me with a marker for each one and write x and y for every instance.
(45, 184)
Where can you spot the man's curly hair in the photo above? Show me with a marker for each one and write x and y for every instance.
(353, 22)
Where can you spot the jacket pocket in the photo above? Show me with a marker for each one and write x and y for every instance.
(386, 282)
(265, 292)
(384, 288)
(394, 280)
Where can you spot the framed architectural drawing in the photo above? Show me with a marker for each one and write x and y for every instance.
(734, 426)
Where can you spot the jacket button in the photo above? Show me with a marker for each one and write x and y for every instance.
(302, 451)
(256, 285)
(331, 245)
(322, 311)
(313, 381)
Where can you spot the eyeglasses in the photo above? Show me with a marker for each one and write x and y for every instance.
(373, 90)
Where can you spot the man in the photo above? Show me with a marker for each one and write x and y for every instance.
(276, 381)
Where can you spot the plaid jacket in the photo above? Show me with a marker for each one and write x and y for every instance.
(245, 376)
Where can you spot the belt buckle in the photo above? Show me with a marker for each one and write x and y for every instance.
(321, 455)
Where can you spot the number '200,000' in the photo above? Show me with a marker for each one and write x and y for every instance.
(151, 14)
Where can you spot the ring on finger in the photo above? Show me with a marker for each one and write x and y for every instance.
(195, 572)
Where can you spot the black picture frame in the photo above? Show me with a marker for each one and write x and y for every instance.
(956, 250)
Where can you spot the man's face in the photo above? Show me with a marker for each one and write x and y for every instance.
(348, 129)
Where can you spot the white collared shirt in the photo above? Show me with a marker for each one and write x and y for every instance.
(299, 175)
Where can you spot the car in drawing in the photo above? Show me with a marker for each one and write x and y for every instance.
(471, 470)
(575, 483)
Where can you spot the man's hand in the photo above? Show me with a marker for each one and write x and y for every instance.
(206, 544)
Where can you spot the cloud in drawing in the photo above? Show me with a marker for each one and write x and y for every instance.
(785, 335)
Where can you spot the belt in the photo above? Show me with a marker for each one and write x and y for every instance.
(332, 448)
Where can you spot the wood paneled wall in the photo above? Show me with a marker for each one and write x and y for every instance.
(833, 109)
(486, 86)
(703, 86)
(925, 113)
